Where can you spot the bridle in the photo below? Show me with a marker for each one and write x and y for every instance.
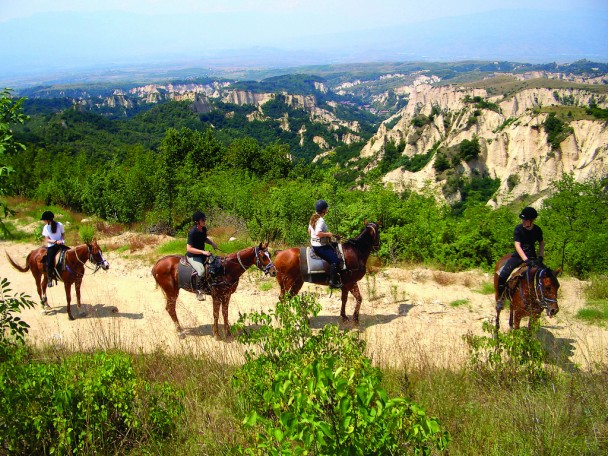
(375, 235)
(98, 264)
(539, 294)
(258, 262)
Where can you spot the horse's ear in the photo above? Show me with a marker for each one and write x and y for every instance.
(557, 271)
(379, 223)
(364, 222)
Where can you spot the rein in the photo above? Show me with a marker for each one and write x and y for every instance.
(537, 284)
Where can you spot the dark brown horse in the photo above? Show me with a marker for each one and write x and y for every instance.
(165, 272)
(75, 262)
(356, 253)
(530, 292)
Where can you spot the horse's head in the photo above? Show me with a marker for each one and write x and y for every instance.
(374, 230)
(263, 260)
(546, 289)
(96, 256)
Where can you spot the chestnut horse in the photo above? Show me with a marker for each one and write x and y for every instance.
(356, 253)
(75, 262)
(233, 266)
(530, 294)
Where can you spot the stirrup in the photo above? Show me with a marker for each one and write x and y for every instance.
(335, 285)
(200, 296)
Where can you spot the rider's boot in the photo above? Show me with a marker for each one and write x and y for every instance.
(502, 287)
(333, 277)
(199, 288)
(49, 275)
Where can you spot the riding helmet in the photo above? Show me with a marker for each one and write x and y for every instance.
(198, 215)
(528, 213)
(320, 206)
(47, 215)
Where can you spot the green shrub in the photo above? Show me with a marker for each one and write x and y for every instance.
(87, 233)
(507, 358)
(82, 404)
(318, 393)
(12, 329)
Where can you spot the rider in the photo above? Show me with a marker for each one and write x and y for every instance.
(320, 240)
(195, 249)
(54, 234)
(525, 236)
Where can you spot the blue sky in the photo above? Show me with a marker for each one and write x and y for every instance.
(40, 35)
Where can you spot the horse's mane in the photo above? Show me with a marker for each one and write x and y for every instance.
(360, 239)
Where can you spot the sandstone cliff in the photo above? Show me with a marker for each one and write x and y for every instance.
(510, 131)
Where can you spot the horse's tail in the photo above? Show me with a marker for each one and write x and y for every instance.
(16, 266)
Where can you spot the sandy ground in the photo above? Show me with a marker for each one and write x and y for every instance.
(407, 316)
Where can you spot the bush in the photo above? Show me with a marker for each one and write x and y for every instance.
(319, 394)
(82, 404)
(12, 329)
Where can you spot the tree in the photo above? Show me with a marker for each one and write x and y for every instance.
(11, 112)
(574, 220)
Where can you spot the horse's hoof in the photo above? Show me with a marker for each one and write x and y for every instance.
(71, 318)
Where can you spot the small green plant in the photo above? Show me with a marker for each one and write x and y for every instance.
(318, 393)
(459, 302)
(12, 328)
(173, 247)
(596, 305)
(515, 356)
(266, 286)
(87, 233)
(486, 288)
(371, 286)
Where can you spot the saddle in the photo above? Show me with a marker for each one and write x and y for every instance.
(188, 278)
(311, 263)
(60, 264)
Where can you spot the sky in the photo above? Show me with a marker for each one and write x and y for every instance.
(340, 14)
(44, 34)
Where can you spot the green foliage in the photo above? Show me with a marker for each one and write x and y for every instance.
(469, 149)
(11, 112)
(597, 112)
(507, 358)
(12, 328)
(82, 404)
(556, 131)
(86, 233)
(596, 305)
(318, 393)
(574, 219)
(480, 103)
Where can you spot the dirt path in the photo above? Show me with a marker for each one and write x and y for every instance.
(407, 315)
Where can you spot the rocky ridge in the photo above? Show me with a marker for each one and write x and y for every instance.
(510, 131)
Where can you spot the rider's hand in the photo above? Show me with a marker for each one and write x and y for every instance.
(528, 262)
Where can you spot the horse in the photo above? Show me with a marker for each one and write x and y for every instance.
(72, 273)
(529, 294)
(165, 272)
(291, 277)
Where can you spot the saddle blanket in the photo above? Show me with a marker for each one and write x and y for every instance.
(310, 263)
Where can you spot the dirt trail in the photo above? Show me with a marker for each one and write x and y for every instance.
(407, 315)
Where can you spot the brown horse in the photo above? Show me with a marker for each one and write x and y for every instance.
(234, 265)
(356, 253)
(529, 294)
(75, 262)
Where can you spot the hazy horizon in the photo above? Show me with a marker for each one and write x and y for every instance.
(39, 39)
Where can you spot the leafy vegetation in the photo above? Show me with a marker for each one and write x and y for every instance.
(319, 393)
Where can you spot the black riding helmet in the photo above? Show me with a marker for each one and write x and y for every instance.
(47, 215)
(198, 215)
(528, 213)
(320, 206)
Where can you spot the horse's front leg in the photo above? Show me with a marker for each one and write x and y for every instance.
(41, 284)
(225, 304)
(77, 287)
(68, 296)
